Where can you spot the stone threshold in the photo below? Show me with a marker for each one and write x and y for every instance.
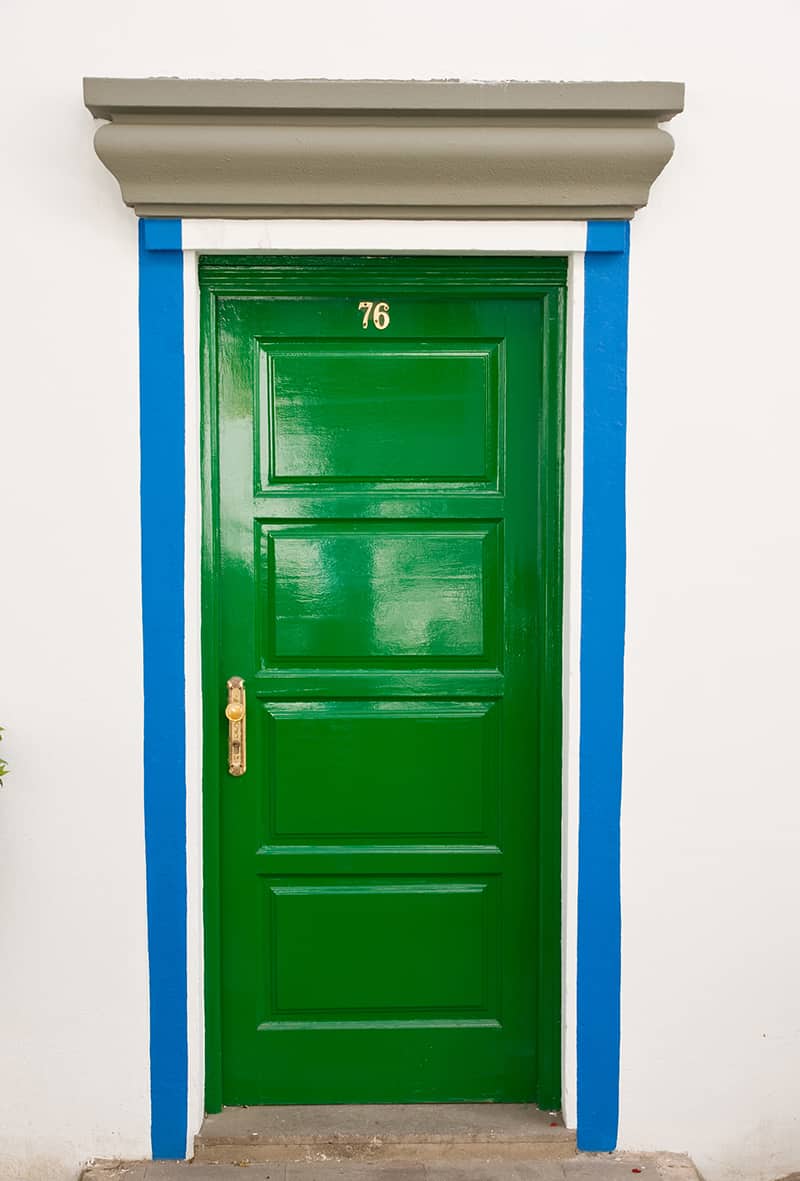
(401, 1133)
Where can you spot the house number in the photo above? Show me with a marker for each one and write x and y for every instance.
(377, 312)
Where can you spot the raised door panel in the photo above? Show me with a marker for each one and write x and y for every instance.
(379, 950)
(388, 772)
(368, 593)
(381, 415)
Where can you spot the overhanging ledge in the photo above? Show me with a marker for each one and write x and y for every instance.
(248, 148)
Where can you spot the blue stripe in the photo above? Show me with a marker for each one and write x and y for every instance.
(602, 650)
(162, 507)
(608, 237)
(162, 233)
(602, 647)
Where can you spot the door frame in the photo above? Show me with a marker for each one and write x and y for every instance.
(594, 601)
(458, 273)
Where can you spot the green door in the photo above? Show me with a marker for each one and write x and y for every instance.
(383, 445)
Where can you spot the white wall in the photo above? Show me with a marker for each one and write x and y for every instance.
(73, 982)
(711, 1019)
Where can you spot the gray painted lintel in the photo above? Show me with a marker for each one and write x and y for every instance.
(252, 148)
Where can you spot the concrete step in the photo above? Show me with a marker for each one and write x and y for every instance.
(399, 1133)
(584, 1167)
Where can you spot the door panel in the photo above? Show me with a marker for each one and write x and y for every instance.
(366, 592)
(376, 414)
(427, 770)
(369, 951)
(384, 522)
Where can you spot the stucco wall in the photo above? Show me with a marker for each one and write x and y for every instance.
(711, 816)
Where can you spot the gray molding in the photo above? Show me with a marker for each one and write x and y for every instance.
(249, 148)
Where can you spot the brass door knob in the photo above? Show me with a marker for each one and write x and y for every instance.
(234, 711)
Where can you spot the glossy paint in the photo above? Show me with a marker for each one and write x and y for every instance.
(161, 378)
(383, 567)
(602, 672)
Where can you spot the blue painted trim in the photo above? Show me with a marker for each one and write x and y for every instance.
(607, 237)
(161, 369)
(163, 233)
(602, 649)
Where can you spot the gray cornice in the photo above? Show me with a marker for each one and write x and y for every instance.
(242, 148)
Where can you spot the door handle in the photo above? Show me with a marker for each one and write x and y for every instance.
(236, 713)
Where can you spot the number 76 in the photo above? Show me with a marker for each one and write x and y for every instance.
(377, 312)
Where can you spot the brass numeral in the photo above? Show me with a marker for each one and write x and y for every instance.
(375, 313)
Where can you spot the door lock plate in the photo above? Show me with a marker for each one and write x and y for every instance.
(236, 713)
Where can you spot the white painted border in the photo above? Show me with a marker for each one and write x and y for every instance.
(397, 236)
(331, 236)
(193, 548)
(571, 638)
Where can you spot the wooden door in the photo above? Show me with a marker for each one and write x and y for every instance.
(383, 460)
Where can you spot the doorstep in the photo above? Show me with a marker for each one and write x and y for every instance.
(397, 1142)
(406, 1133)
(583, 1167)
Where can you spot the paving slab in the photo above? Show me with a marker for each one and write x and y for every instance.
(495, 1171)
(616, 1166)
(200, 1172)
(182, 1171)
(584, 1167)
(355, 1172)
